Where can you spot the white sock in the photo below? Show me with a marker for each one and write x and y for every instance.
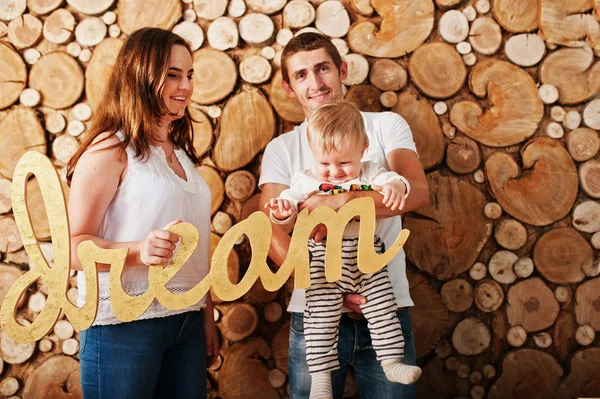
(395, 371)
(320, 387)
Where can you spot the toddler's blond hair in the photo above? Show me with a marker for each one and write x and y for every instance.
(336, 125)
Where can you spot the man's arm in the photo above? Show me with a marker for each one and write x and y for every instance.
(402, 161)
(280, 240)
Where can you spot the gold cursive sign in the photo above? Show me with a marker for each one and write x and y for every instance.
(256, 227)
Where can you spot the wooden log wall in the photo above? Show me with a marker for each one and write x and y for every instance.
(501, 98)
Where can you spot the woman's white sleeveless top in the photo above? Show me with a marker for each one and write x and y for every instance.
(150, 196)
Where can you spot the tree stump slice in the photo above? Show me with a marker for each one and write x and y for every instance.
(215, 75)
(516, 336)
(268, 53)
(405, 25)
(501, 267)
(514, 111)
(266, 6)
(298, 14)
(525, 49)
(471, 337)
(510, 234)
(63, 329)
(476, 377)
(437, 381)
(8, 276)
(527, 373)
(479, 176)
(363, 7)
(64, 147)
(547, 168)
(589, 176)
(210, 9)
(221, 222)
(555, 130)
(388, 99)
(587, 303)
(256, 29)
(11, 9)
(288, 108)
(492, 210)
(358, 69)
(59, 26)
(565, 24)
(136, 14)
(478, 271)
(462, 155)
(90, 32)
(239, 322)
(591, 114)
(276, 378)
(572, 120)
(425, 126)
(280, 346)
(43, 7)
(223, 34)
(20, 131)
(25, 31)
(250, 206)
(582, 381)
(516, 15)
(449, 130)
(585, 335)
(191, 32)
(13, 75)
(429, 315)
(70, 346)
(13, 352)
(586, 216)
(366, 97)
(442, 229)
(57, 377)
(97, 73)
(203, 132)
(258, 295)
(543, 340)
(488, 295)
(443, 349)
(244, 372)
(453, 26)
(215, 183)
(452, 363)
(91, 7)
(583, 144)
(273, 312)
(437, 70)
(573, 72)
(388, 75)
(9, 386)
(524, 267)
(557, 113)
(562, 294)
(332, 19)
(561, 254)
(485, 35)
(463, 371)
(457, 295)
(59, 79)
(246, 115)
(255, 69)
(532, 305)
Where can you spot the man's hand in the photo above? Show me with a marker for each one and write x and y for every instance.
(352, 302)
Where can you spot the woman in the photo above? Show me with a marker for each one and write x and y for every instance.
(133, 177)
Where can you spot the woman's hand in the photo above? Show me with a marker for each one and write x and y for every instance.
(158, 246)
(212, 338)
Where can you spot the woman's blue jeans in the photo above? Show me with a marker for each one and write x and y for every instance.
(355, 352)
(155, 358)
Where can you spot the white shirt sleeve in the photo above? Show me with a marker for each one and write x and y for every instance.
(379, 176)
(274, 168)
(396, 133)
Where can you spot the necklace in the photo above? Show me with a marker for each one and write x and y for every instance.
(171, 157)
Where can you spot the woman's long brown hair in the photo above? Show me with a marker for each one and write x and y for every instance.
(133, 102)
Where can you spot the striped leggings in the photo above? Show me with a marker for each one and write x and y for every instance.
(324, 308)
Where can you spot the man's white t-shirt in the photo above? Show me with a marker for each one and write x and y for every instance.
(289, 153)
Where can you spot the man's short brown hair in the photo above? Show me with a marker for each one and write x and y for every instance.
(308, 41)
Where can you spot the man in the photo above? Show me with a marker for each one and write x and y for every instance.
(312, 72)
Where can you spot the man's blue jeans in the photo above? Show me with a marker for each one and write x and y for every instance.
(155, 358)
(355, 352)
